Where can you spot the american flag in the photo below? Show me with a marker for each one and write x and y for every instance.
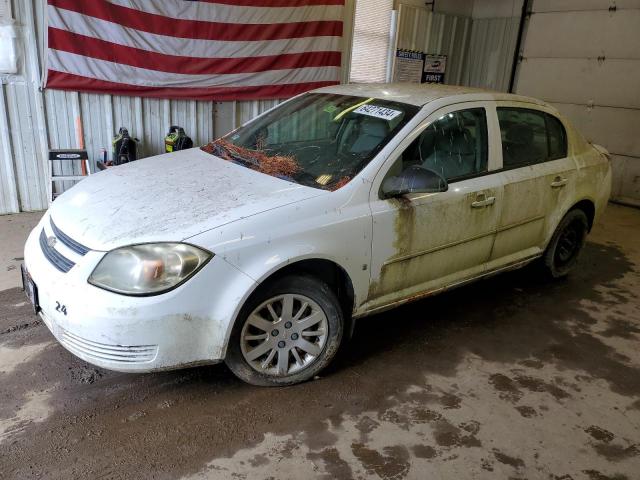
(207, 49)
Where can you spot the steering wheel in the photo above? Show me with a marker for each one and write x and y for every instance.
(316, 154)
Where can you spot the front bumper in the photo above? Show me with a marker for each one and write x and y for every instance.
(186, 326)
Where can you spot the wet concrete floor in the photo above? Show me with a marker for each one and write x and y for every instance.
(512, 377)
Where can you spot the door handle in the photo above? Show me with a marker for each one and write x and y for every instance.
(559, 182)
(483, 201)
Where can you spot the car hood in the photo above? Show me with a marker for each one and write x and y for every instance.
(169, 197)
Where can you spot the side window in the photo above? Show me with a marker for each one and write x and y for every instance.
(557, 138)
(530, 136)
(455, 146)
(524, 136)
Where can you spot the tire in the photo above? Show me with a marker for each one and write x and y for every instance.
(265, 336)
(566, 244)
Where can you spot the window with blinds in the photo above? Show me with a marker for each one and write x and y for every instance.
(5, 11)
(370, 41)
(8, 58)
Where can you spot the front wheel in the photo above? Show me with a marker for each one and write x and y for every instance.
(286, 333)
(565, 245)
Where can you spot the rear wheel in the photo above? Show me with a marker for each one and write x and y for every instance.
(286, 333)
(565, 245)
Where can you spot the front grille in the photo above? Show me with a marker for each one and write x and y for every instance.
(59, 261)
(68, 241)
(111, 353)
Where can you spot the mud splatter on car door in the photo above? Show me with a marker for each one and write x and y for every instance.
(427, 241)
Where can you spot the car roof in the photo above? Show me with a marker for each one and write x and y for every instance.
(421, 94)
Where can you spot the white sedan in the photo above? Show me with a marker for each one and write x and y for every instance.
(261, 248)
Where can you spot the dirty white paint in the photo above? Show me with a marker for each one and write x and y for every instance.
(255, 225)
(172, 196)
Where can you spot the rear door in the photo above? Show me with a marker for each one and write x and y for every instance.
(539, 178)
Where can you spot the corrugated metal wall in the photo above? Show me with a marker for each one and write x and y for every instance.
(437, 33)
(479, 50)
(492, 43)
(32, 121)
(23, 130)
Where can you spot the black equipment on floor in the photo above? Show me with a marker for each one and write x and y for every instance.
(125, 148)
(176, 139)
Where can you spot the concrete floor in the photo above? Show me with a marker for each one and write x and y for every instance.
(14, 230)
(513, 377)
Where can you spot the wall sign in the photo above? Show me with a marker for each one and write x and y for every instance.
(408, 67)
(435, 67)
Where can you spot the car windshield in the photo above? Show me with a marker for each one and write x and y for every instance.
(320, 140)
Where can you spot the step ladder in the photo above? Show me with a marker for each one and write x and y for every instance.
(67, 155)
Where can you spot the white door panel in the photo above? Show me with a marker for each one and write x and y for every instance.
(425, 242)
(582, 80)
(610, 35)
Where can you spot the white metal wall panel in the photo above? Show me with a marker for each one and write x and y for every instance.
(22, 119)
(609, 34)
(584, 57)
(29, 168)
(626, 185)
(8, 191)
(618, 128)
(61, 128)
(613, 83)
(583, 5)
(437, 33)
(480, 51)
(493, 42)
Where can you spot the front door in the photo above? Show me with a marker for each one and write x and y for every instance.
(424, 242)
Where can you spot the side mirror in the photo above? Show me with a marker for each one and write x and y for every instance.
(414, 179)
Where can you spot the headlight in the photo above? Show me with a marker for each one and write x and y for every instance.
(148, 269)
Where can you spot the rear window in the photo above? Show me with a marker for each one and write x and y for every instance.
(530, 137)
(557, 138)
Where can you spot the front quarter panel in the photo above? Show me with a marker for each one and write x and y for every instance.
(331, 227)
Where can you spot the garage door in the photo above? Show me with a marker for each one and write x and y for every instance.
(583, 56)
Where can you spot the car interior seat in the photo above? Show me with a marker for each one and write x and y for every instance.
(519, 146)
(450, 153)
(371, 133)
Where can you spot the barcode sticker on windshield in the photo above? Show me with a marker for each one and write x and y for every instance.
(378, 112)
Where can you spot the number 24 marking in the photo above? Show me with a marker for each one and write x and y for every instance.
(61, 308)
